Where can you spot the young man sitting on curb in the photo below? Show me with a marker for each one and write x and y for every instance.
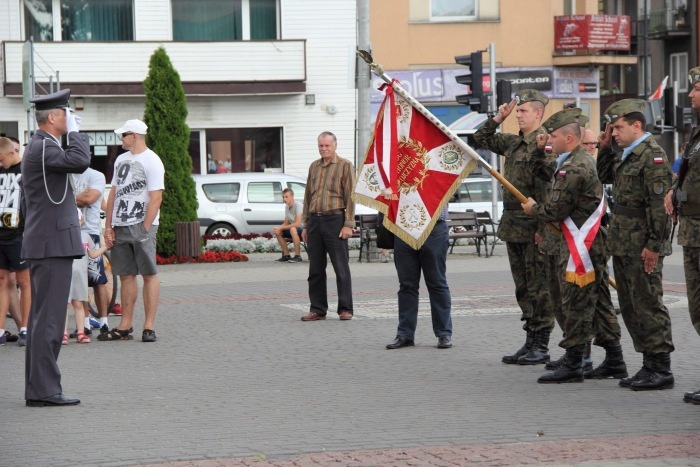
(290, 228)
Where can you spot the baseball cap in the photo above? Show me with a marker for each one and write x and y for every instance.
(132, 126)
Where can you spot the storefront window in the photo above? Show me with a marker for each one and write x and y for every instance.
(243, 149)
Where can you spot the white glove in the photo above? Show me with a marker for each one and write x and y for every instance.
(72, 121)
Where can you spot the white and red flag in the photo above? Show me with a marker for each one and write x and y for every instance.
(659, 93)
(411, 169)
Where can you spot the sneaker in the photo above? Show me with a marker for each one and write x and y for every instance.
(3, 339)
(94, 324)
(104, 329)
(9, 337)
(284, 259)
(22, 339)
(149, 335)
(116, 309)
(296, 259)
(74, 334)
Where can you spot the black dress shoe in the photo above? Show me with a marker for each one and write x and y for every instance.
(56, 400)
(444, 342)
(400, 342)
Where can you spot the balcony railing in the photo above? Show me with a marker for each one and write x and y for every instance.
(664, 23)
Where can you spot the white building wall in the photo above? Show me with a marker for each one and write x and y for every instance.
(329, 28)
(152, 20)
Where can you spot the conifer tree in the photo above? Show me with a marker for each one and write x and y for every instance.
(169, 136)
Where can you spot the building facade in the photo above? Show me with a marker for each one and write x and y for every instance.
(262, 77)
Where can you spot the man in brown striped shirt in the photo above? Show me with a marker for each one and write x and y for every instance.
(328, 220)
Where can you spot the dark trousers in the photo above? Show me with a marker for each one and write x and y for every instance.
(431, 258)
(322, 238)
(51, 279)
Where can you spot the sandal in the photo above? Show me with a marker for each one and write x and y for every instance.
(82, 338)
(115, 334)
(65, 339)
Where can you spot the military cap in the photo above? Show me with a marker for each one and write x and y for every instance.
(583, 120)
(694, 75)
(56, 100)
(622, 108)
(529, 95)
(562, 118)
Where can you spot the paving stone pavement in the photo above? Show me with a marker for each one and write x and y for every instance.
(237, 379)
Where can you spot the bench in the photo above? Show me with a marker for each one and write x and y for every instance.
(366, 223)
(491, 227)
(466, 225)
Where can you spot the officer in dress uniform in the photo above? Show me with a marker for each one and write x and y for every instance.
(51, 240)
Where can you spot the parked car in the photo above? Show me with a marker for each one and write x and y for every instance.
(476, 194)
(243, 202)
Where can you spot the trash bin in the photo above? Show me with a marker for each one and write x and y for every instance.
(187, 239)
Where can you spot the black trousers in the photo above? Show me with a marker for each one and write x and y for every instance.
(51, 279)
(322, 238)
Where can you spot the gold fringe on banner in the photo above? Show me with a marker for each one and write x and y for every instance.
(581, 281)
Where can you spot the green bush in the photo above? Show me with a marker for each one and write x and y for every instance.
(169, 137)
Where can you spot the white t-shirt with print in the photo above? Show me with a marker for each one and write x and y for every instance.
(134, 177)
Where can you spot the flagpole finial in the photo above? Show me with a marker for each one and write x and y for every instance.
(367, 57)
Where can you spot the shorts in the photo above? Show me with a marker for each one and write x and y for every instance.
(10, 256)
(288, 233)
(134, 250)
(96, 267)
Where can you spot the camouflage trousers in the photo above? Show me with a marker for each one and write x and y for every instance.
(588, 311)
(641, 302)
(691, 265)
(548, 298)
(522, 257)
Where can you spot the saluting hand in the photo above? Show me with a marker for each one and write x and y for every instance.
(504, 110)
(542, 139)
(605, 138)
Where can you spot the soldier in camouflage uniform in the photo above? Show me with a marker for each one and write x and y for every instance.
(576, 195)
(516, 228)
(638, 240)
(685, 197)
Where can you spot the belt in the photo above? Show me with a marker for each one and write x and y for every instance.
(334, 212)
(512, 206)
(629, 212)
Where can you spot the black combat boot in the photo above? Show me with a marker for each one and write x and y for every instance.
(613, 366)
(660, 376)
(587, 362)
(539, 353)
(627, 382)
(688, 396)
(513, 359)
(554, 364)
(570, 371)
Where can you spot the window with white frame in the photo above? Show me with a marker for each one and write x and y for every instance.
(225, 20)
(79, 20)
(678, 68)
(453, 10)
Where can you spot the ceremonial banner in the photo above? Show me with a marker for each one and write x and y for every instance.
(411, 170)
(659, 93)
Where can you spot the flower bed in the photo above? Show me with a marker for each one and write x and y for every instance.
(206, 257)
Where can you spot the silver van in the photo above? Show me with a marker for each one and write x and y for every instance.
(243, 202)
(476, 194)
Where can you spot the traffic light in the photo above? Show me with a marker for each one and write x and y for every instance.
(476, 100)
(504, 92)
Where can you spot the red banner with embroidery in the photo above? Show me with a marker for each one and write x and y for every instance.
(410, 171)
(580, 269)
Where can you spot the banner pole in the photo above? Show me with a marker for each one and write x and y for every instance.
(379, 71)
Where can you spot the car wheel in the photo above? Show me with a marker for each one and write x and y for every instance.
(225, 230)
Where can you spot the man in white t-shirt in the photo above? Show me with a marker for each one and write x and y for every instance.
(133, 209)
(290, 228)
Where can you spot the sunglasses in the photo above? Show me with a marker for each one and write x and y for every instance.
(125, 134)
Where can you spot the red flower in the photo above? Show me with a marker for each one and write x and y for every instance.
(206, 257)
